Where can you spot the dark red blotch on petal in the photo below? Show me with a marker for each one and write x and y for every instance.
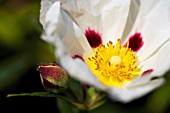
(135, 42)
(77, 56)
(93, 37)
(147, 71)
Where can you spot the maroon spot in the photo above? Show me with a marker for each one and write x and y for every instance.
(147, 71)
(135, 42)
(93, 37)
(77, 56)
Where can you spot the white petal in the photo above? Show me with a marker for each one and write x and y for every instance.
(139, 80)
(59, 28)
(127, 95)
(153, 21)
(160, 61)
(106, 16)
(59, 23)
(83, 41)
(45, 5)
(133, 14)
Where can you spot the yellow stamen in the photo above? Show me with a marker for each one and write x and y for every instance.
(114, 65)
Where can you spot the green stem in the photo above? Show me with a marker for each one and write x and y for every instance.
(99, 100)
(84, 96)
(70, 91)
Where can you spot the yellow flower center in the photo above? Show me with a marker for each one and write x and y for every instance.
(114, 65)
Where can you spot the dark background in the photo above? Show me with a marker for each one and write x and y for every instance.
(21, 50)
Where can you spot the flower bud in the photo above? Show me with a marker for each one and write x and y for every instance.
(53, 77)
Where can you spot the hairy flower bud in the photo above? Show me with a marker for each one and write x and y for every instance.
(53, 77)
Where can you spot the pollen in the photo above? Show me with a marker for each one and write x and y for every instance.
(114, 65)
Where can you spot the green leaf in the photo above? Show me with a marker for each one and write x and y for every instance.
(40, 94)
(46, 94)
(65, 107)
(107, 107)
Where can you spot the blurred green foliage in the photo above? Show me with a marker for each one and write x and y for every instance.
(20, 43)
(22, 49)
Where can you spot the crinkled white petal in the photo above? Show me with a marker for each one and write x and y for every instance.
(83, 41)
(128, 94)
(62, 25)
(57, 29)
(132, 15)
(153, 21)
(159, 61)
(45, 5)
(105, 16)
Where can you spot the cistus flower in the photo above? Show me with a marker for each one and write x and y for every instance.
(121, 47)
(53, 77)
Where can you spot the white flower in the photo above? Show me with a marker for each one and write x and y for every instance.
(71, 25)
